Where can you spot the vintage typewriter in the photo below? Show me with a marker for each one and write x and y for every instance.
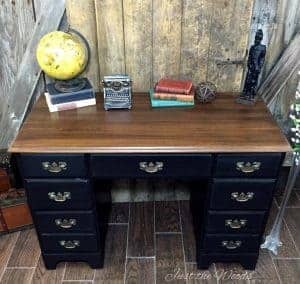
(117, 92)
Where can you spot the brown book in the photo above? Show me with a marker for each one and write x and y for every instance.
(174, 96)
(174, 86)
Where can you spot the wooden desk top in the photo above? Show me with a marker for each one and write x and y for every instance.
(223, 126)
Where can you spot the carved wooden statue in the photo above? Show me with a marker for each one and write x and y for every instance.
(256, 60)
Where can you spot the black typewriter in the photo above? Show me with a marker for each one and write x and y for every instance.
(117, 92)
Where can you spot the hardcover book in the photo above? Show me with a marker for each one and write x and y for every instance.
(68, 105)
(173, 96)
(57, 97)
(168, 103)
(174, 86)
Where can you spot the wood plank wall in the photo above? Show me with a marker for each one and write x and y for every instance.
(150, 39)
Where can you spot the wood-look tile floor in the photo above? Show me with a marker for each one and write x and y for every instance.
(153, 242)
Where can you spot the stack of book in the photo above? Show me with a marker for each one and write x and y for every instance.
(58, 101)
(168, 93)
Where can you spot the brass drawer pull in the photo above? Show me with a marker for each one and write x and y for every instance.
(248, 167)
(65, 223)
(54, 167)
(151, 167)
(231, 244)
(235, 224)
(69, 244)
(59, 197)
(242, 197)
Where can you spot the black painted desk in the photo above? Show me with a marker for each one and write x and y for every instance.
(233, 152)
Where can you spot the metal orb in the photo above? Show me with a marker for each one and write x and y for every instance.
(206, 92)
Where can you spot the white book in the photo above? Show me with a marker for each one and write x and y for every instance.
(69, 105)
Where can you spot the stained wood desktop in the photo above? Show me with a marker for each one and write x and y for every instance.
(222, 126)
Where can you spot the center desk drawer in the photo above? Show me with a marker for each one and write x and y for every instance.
(248, 165)
(140, 165)
(59, 194)
(241, 194)
(53, 165)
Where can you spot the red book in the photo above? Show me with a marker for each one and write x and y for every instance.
(174, 86)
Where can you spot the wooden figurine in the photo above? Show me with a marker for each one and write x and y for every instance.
(256, 60)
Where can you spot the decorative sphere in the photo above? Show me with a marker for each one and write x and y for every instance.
(206, 92)
(62, 55)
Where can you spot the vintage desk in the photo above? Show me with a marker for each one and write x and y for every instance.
(233, 151)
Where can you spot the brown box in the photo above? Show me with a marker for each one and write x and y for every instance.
(16, 216)
(14, 211)
(4, 181)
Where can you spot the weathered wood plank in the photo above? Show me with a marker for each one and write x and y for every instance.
(167, 216)
(43, 275)
(282, 71)
(138, 42)
(24, 85)
(78, 271)
(115, 256)
(196, 22)
(166, 38)
(169, 258)
(141, 230)
(140, 270)
(17, 275)
(81, 17)
(7, 243)
(17, 23)
(26, 253)
(229, 39)
(109, 17)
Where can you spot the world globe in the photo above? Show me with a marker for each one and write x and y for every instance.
(62, 55)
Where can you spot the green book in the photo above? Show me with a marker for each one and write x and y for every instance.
(167, 103)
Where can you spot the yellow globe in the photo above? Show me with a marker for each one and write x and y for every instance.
(61, 55)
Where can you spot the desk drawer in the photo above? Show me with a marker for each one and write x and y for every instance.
(231, 243)
(69, 242)
(140, 165)
(59, 194)
(235, 221)
(53, 165)
(241, 194)
(249, 165)
(65, 222)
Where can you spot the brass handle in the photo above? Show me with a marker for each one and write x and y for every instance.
(231, 244)
(54, 167)
(235, 224)
(65, 223)
(151, 167)
(59, 197)
(248, 167)
(242, 197)
(69, 244)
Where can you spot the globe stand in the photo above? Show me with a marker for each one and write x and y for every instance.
(72, 85)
